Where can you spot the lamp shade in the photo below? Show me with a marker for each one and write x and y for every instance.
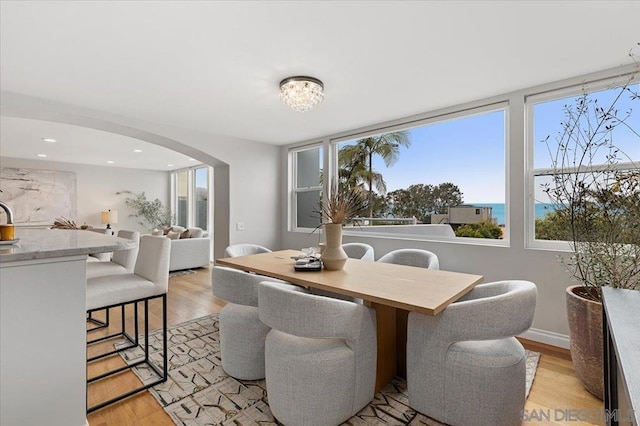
(110, 216)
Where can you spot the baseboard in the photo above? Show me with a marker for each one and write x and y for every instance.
(546, 337)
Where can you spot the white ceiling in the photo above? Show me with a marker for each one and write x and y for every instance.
(23, 138)
(215, 66)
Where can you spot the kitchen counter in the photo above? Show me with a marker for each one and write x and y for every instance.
(51, 243)
(43, 289)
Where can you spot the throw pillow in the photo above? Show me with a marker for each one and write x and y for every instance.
(196, 232)
(157, 232)
(166, 230)
(173, 235)
(178, 229)
(185, 234)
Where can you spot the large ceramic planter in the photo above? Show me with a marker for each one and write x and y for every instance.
(333, 257)
(585, 333)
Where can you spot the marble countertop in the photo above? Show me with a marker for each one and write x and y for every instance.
(51, 243)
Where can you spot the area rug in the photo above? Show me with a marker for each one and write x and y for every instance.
(198, 392)
(182, 272)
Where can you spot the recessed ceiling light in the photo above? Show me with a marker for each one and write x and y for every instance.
(42, 155)
(48, 140)
(192, 159)
(137, 150)
(169, 165)
(110, 162)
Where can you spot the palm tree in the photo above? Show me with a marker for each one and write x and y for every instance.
(356, 161)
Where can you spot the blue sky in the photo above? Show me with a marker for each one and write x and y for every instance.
(470, 151)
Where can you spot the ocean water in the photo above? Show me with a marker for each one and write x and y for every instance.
(498, 210)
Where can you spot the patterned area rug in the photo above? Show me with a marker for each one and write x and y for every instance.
(182, 272)
(198, 392)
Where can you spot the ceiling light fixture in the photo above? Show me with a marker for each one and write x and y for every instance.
(42, 155)
(48, 140)
(137, 150)
(110, 162)
(301, 93)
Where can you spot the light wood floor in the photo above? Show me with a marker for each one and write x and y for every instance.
(555, 388)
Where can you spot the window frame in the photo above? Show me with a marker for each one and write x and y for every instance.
(499, 104)
(191, 182)
(293, 183)
(531, 172)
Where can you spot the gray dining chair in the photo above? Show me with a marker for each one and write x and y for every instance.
(412, 257)
(359, 251)
(242, 334)
(320, 356)
(464, 365)
(236, 250)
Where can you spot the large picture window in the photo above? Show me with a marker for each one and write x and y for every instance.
(585, 153)
(307, 174)
(447, 171)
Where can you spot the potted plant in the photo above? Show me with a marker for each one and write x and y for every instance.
(595, 188)
(340, 207)
(151, 213)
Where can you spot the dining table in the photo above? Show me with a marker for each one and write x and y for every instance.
(392, 290)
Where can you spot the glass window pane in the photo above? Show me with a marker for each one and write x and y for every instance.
(181, 205)
(308, 203)
(413, 177)
(201, 197)
(309, 168)
(549, 119)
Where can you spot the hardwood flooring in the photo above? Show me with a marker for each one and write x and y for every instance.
(556, 396)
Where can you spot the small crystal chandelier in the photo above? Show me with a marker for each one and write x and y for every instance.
(301, 93)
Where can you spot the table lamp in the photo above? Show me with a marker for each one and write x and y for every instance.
(109, 217)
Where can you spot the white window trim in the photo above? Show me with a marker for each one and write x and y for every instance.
(292, 184)
(531, 173)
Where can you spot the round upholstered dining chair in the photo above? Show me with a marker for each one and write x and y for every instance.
(412, 257)
(320, 355)
(242, 334)
(359, 251)
(236, 250)
(464, 365)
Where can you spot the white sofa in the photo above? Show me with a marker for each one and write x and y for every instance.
(191, 252)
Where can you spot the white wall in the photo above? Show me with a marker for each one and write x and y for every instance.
(97, 187)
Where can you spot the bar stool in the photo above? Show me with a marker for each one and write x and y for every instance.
(122, 262)
(150, 280)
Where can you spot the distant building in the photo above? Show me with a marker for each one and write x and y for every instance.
(463, 214)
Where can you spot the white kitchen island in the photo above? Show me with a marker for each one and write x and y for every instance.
(42, 325)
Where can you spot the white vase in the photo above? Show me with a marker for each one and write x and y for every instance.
(333, 257)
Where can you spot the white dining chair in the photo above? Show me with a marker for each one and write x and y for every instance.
(320, 355)
(464, 365)
(237, 250)
(412, 257)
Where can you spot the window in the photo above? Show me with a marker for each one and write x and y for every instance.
(437, 171)
(182, 192)
(597, 158)
(190, 197)
(201, 197)
(307, 186)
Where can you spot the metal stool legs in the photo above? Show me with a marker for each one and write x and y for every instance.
(162, 372)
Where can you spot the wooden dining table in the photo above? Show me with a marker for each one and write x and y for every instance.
(391, 290)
